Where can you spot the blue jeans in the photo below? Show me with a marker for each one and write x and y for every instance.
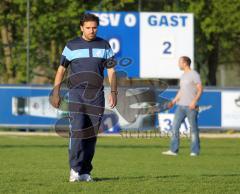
(181, 113)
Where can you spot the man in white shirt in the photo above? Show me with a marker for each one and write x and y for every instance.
(187, 97)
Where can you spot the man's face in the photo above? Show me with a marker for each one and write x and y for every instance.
(89, 30)
(181, 64)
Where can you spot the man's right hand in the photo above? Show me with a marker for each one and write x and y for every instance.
(55, 101)
(170, 105)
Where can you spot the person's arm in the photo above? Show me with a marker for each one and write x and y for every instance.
(197, 97)
(55, 99)
(112, 98)
(177, 97)
(175, 100)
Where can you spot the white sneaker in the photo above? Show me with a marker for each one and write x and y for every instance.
(74, 176)
(169, 153)
(85, 177)
(193, 154)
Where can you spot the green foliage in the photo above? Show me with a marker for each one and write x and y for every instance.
(52, 24)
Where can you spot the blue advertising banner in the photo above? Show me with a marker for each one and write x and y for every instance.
(26, 106)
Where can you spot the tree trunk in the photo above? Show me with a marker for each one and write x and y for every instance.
(7, 53)
(53, 53)
(213, 62)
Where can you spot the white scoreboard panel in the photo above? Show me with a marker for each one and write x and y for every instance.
(164, 37)
(151, 41)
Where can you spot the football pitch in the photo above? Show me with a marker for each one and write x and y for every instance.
(121, 165)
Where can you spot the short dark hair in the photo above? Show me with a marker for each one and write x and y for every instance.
(88, 17)
(187, 60)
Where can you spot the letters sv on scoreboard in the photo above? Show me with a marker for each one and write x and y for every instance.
(113, 19)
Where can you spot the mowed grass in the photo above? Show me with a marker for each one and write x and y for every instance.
(40, 165)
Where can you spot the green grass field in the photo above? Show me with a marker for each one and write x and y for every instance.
(39, 165)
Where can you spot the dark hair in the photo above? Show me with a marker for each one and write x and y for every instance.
(88, 17)
(187, 60)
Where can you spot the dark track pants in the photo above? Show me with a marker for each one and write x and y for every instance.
(85, 118)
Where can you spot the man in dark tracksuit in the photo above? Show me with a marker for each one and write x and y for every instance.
(86, 57)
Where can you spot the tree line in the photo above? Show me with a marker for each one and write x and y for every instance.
(53, 22)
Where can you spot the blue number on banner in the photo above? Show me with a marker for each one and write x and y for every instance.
(169, 124)
(167, 48)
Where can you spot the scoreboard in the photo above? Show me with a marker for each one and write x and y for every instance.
(148, 44)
